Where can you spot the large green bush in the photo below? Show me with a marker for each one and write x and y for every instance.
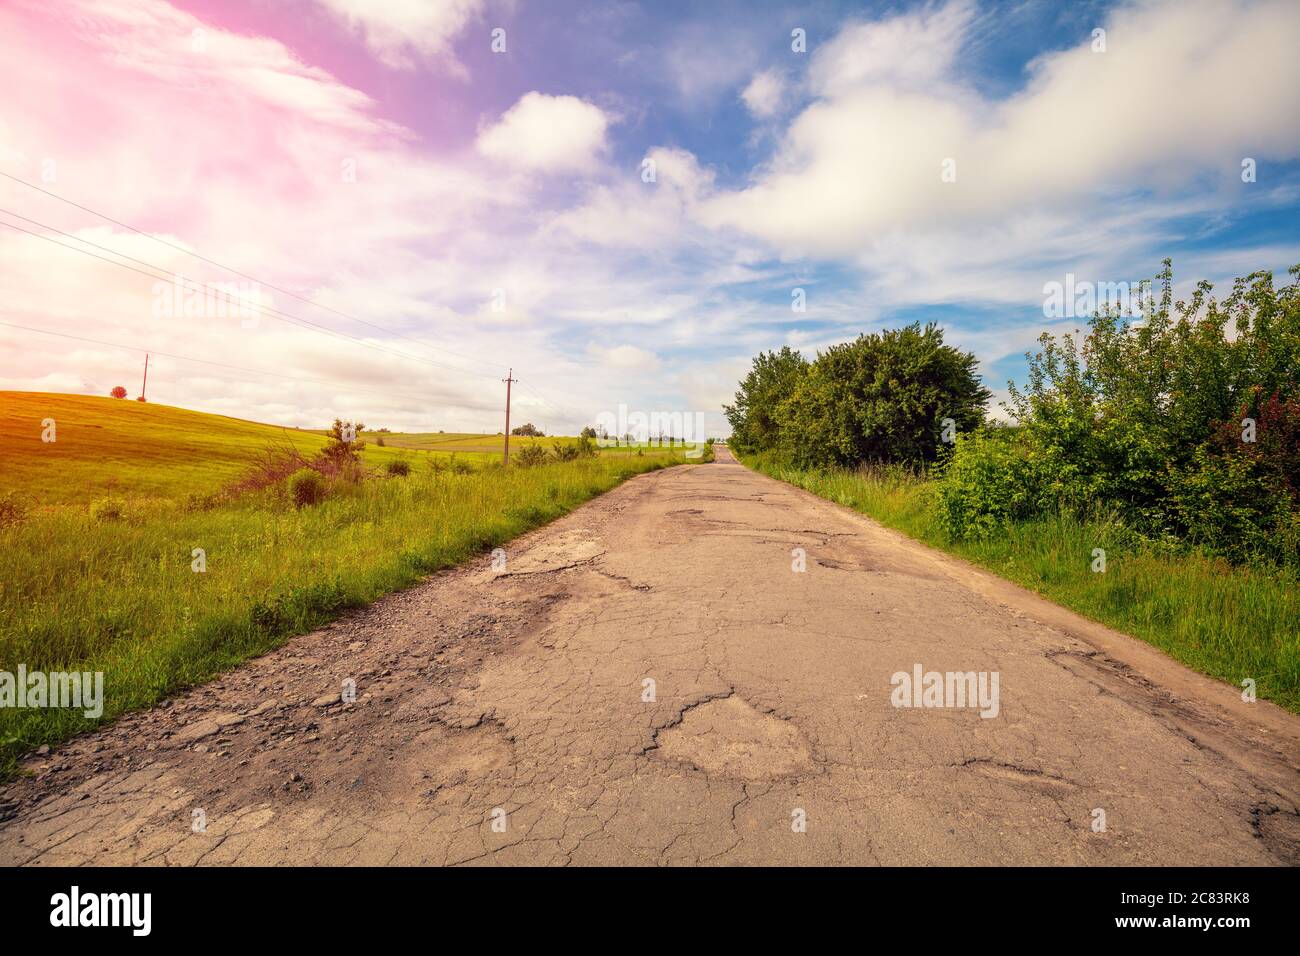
(1149, 414)
(992, 478)
(883, 397)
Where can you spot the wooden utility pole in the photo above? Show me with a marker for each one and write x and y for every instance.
(510, 377)
(145, 384)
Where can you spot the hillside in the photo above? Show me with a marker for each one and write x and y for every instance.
(107, 446)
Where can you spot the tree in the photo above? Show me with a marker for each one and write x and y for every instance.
(527, 430)
(588, 432)
(344, 445)
(118, 392)
(883, 397)
(769, 383)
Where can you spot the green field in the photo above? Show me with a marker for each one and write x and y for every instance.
(489, 447)
(90, 589)
(110, 447)
(1230, 622)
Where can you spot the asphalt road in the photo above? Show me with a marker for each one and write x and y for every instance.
(651, 680)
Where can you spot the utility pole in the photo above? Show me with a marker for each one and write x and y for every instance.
(144, 385)
(510, 377)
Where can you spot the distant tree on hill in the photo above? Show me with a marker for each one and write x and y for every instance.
(588, 432)
(528, 430)
(118, 392)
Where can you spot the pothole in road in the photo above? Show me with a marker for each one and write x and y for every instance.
(732, 738)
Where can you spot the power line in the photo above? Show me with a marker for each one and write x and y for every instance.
(269, 311)
(190, 252)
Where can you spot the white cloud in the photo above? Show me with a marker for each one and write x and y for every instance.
(1180, 93)
(635, 213)
(765, 93)
(547, 133)
(911, 51)
(405, 33)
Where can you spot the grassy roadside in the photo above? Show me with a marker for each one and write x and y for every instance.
(118, 594)
(1228, 622)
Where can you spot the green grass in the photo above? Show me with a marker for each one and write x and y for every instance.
(109, 447)
(83, 591)
(1227, 622)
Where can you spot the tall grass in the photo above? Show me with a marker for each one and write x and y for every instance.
(1230, 622)
(119, 595)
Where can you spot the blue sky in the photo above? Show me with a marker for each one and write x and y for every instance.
(938, 161)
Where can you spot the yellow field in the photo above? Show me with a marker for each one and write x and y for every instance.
(106, 446)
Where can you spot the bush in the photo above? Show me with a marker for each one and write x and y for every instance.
(530, 456)
(572, 451)
(118, 392)
(880, 398)
(306, 487)
(108, 509)
(1242, 498)
(563, 452)
(990, 479)
(398, 467)
(1148, 417)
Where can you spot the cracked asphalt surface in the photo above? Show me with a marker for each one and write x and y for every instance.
(510, 718)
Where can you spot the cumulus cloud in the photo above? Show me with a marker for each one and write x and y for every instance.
(1176, 95)
(547, 133)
